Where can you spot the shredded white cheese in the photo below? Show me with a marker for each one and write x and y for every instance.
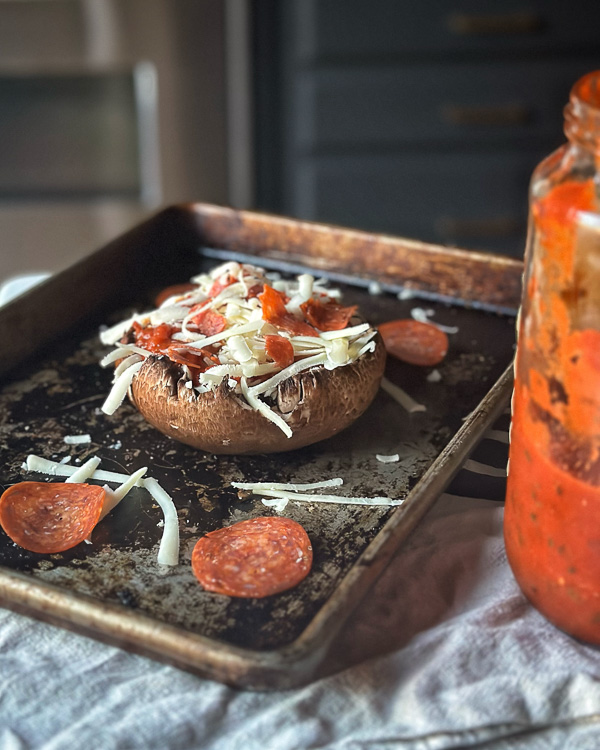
(59, 469)
(406, 401)
(424, 316)
(339, 499)
(112, 335)
(264, 409)
(279, 504)
(502, 436)
(120, 388)
(295, 486)
(486, 469)
(168, 552)
(298, 491)
(77, 439)
(122, 350)
(288, 372)
(126, 363)
(114, 497)
(84, 472)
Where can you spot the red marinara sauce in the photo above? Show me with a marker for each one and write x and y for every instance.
(156, 339)
(552, 513)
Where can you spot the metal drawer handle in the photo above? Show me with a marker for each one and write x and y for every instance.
(472, 24)
(487, 114)
(498, 226)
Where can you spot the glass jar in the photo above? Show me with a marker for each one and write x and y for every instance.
(552, 513)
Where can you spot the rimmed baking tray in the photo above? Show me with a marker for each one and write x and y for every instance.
(113, 589)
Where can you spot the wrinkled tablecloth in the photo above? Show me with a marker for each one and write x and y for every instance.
(444, 652)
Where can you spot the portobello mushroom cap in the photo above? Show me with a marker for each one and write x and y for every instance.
(316, 404)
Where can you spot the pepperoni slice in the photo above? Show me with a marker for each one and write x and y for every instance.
(414, 342)
(171, 291)
(280, 350)
(209, 322)
(50, 517)
(275, 312)
(327, 317)
(196, 359)
(273, 303)
(218, 285)
(254, 558)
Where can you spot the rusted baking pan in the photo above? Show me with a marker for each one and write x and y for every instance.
(113, 589)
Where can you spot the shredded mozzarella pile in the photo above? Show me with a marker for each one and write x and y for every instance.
(281, 493)
(230, 291)
(168, 552)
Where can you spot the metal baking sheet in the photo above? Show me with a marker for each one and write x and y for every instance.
(113, 588)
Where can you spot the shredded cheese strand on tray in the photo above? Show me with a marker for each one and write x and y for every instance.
(295, 486)
(297, 491)
(84, 472)
(58, 469)
(168, 552)
(340, 499)
(401, 397)
(114, 497)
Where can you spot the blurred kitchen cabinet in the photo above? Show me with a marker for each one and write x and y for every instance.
(422, 119)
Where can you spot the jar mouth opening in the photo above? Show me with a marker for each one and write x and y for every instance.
(582, 113)
(586, 91)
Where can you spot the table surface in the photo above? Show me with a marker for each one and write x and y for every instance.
(444, 652)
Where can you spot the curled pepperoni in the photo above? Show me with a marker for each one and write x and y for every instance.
(414, 342)
(280, 350)
(273, 303)
(254, 558)
(275, 312)
(50, 517)
(209, 322)
(220, 284)
(200, 359)
(172, 291)
(330, 316)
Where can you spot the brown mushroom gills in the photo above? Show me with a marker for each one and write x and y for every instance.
(317, 404)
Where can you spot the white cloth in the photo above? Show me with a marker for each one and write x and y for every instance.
(443, 653)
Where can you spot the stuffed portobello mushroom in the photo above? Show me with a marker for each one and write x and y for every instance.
(241, 361)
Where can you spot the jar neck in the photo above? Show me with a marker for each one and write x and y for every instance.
(582, 113)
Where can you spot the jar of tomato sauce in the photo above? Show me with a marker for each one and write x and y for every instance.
(552, 513)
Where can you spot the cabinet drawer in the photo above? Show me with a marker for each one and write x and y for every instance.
(471, 200)
(370, 107)
(340, 29)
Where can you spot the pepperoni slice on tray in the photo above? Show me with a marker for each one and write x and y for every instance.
(253, 558)
(171, 291)
(50, 517)
(414, 342)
